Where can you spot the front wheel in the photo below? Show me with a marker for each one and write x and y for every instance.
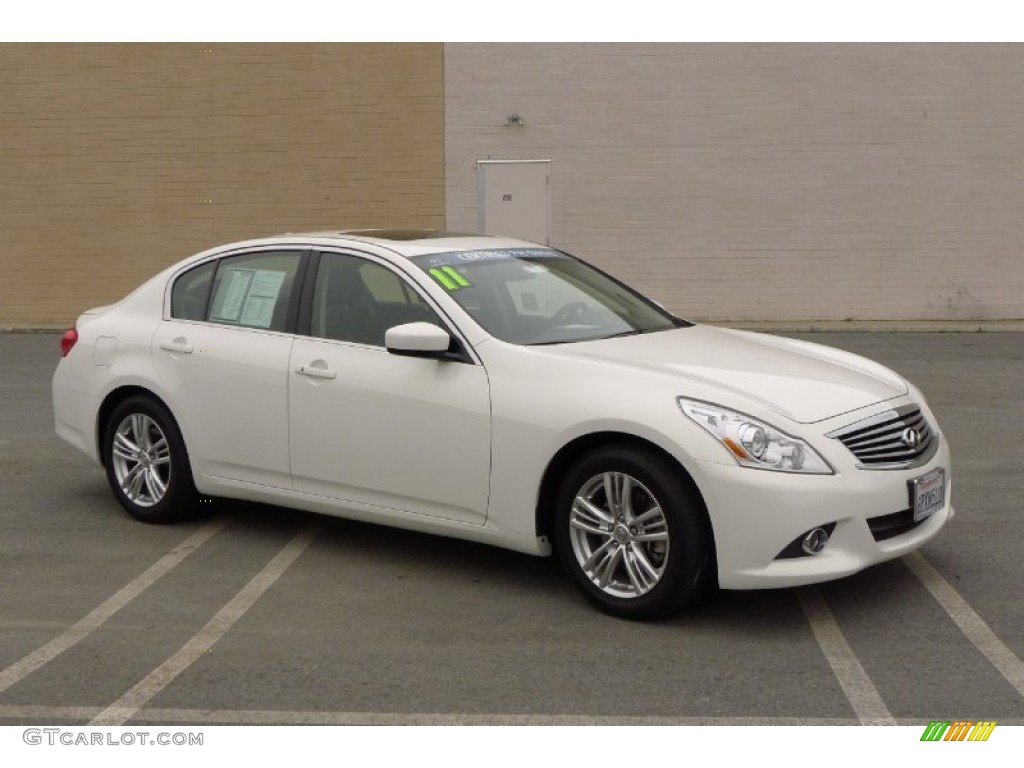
(147, 465)
(632, 534)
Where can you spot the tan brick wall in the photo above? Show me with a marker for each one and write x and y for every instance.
(762, 181)
(108, 153)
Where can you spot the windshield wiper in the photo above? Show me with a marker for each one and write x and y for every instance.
(632, 332)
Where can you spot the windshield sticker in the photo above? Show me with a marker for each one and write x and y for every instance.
(449, 278)
(455, 258)
(443, 279)
(456, 276)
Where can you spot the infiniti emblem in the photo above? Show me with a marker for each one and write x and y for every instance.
(910, 437)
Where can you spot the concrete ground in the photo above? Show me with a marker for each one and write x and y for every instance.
(262, 615)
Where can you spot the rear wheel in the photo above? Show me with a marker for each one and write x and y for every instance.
(632, 534)
(147, 465)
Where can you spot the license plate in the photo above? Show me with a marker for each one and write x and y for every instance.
(928, 493)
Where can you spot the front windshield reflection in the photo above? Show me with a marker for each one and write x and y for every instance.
(542, 296)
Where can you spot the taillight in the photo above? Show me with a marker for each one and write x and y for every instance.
(67, 341)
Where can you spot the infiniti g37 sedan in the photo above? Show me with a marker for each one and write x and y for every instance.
(508, 393)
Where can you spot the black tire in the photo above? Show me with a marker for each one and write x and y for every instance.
(150, 473)
(667, 567)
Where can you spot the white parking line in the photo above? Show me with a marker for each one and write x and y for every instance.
(136, 698)
(860, 691)
(290, 717)
(42, 714)
(970, 623)
(95, 619)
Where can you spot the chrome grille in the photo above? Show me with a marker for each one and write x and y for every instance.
(895, 439)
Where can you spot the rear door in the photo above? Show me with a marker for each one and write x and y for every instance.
(223, 357)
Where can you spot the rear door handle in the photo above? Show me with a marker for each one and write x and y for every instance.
(315, 372)
(178, 345)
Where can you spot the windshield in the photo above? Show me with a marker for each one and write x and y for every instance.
(542, 296)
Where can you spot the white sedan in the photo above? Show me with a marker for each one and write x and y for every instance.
(508, 393)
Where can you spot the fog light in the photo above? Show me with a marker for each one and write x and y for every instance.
(814, 541)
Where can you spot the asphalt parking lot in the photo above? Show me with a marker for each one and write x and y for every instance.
(256, 614)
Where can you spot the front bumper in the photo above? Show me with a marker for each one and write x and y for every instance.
(755, 514)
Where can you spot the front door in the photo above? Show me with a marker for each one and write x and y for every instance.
(370, 427)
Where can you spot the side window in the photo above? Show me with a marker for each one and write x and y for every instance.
(358, 300)
(386, 286)
(254, 289)
(191, 292)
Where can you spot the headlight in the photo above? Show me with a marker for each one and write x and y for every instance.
(754, 443)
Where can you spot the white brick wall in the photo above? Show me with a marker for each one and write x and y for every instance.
(765, 181)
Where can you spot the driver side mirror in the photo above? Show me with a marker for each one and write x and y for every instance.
(418, 340)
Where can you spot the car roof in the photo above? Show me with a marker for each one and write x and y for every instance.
(410, 242)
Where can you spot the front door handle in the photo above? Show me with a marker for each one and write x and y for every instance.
(180, 345)
(316, 371)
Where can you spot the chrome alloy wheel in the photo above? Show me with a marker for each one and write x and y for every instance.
(619, 535)
(142, 460)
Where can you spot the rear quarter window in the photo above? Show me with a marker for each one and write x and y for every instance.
(191, 292)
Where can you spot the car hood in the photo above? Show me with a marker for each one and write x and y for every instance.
(804, 382)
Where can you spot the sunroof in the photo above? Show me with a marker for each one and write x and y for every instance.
(403, 234)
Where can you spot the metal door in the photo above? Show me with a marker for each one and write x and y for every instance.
(513, 199)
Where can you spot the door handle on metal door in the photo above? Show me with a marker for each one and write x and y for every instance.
(315, 372)
(178, 345)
